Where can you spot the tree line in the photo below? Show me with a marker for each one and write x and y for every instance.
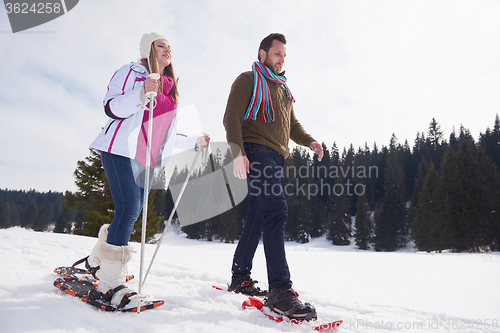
(441, 193)
(32, 209)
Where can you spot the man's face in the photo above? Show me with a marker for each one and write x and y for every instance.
(275, 57)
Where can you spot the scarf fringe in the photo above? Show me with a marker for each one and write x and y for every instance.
(261, 94)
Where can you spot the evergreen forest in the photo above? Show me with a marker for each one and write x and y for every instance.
(440, 193)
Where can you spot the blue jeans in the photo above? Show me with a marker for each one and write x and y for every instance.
(124, 178)
(266, 216)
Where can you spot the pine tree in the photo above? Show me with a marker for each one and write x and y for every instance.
(304, 221)
(153, 221)
(454, 140)
(293, 221)
(363, 232)
(14, 215)
(448, 187)
(468, 223)
(63, 223)
(319, 174)
(94, 202)
(319, 202)
(29, 216)
(317, 212)
(391, 228)
(4, 216)
(435, 134)
(490, 141)
(369, 161)
(410, 169)
(426, 228)
(459, 189)
(378, 159)
(466, 136)
(339, 220)
(42, 220)
(417, 187)
(193, 231)
(92, 198)
(488, 201)
(162, 201)
(229, 224)
(299, 220)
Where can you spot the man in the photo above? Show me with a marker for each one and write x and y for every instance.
(259, 122)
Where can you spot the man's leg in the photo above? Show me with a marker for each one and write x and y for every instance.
(241, 282)
(265, 183)
(267, 214)
(265, 180)
(248, 242)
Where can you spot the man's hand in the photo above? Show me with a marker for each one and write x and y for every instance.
(241, 166)
(318, 149)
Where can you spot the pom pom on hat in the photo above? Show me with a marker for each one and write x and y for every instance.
(146, 40)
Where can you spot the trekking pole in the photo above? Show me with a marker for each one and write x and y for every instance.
(173, 211)
(152, 99)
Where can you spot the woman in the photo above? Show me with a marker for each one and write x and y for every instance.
(122, 145)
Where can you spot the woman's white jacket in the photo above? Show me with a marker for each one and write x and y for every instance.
(123, 104)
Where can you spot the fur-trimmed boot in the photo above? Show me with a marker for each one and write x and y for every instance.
(109, 265)
(92, 261)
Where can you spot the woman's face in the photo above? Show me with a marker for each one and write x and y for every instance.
(162, 49)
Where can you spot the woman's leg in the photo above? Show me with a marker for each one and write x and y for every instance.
(127, 196)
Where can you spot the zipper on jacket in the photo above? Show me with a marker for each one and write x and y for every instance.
(107, 129)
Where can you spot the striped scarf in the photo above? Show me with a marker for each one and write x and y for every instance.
(261, 93)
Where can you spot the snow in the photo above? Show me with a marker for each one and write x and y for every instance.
(402, 291)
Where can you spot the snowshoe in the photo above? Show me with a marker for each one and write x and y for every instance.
(247, 287)
(73, 272)
(284, 301)
(256, 303)
(87, 292)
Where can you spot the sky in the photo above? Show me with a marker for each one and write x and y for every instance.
(360, 70)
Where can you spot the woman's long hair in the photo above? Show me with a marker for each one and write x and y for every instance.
(168, 71)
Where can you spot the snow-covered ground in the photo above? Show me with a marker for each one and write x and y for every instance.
(372, 292)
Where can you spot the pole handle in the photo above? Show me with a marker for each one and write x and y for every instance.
(151, 95)
(153, 76)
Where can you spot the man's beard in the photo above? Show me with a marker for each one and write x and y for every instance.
(270, 66)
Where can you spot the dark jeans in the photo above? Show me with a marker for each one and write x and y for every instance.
(127, 191)
(267, 214)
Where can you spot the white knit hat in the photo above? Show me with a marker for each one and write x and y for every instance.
(146, 40)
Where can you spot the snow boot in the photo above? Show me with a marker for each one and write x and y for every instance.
(109, 262)
(92, 262)
(285, 302)
(246, 286)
